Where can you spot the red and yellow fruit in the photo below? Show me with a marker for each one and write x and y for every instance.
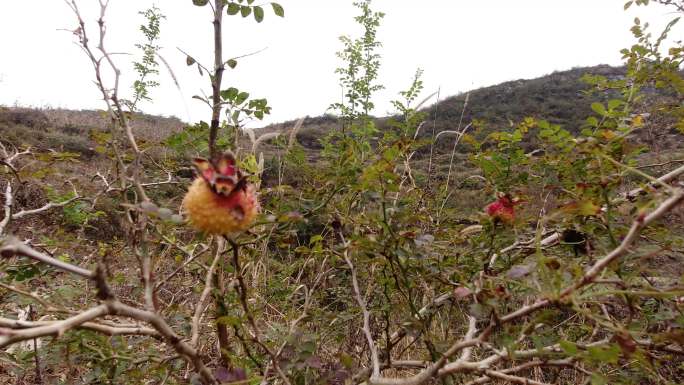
(503, 209)
(220, 201)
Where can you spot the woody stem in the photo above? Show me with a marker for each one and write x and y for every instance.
(222, 311)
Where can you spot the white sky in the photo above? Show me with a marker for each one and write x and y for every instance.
(460, 44)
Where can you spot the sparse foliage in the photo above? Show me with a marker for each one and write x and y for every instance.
(147, 66)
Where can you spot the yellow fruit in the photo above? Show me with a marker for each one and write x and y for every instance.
(218, 214)
(220, 201)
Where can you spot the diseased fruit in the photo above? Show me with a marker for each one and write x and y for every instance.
(503, 209)
(220, 201)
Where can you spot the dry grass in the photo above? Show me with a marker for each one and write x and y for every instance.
(79, 123)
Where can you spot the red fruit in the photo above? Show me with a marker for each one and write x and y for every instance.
(503, 209)
(221, 200)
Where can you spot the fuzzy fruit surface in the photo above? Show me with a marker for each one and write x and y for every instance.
(502, 209)
(219, 214)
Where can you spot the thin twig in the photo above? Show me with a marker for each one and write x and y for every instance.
(11, 246)
(200, 307)
(372, 347)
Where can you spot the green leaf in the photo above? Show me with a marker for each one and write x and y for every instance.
(200, 3)
(258, 14)
(592, 121)
(307, 347)
(229, 94)
(587, 207)
(568, 347)
(278, 9)
(233, 8)
(229, 320)
(606, 354)
(245, 10)
(346, 360)
(628, 4)
(598, 108)
(614, 103)
(597, 379)
(232, 63)
(189, 60)
(242, 96)
(583, 207)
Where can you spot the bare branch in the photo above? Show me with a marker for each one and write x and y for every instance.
(191, 257)
(366, 315)
(11, 246)
(199, 309)
(41, 301)
(169, 336)
(513, 379)
(470, 334)
(10, 336)
(46, 207)
(669, 177)
(661, 164)
(217, 77)
(8, 208)
(642, 221)
(526, 366)
(256, 333)
(116, 112)
(98, 327)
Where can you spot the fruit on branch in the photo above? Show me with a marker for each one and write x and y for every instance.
(503, 209)
(221, 200)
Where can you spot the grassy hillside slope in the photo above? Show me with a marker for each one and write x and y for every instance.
(560, 98)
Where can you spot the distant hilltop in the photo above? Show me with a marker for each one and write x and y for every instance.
(559, 97)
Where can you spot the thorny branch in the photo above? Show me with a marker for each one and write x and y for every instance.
(9, 214)
(217, 77)
(242, 294)
(201, 307)
(10, 247)
(554, 236)
(472, 339)
(128, 174)
(366, 314)
(110, 96)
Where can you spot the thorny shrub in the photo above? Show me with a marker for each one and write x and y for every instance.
(360, 268)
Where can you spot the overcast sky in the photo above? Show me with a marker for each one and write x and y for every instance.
(460, 44)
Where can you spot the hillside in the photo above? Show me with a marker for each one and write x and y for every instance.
(561, 98)
(70, 130)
